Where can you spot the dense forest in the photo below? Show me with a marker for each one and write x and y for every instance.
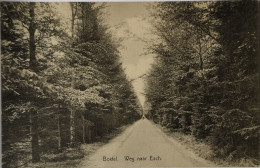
(205, 79)
(60, 87)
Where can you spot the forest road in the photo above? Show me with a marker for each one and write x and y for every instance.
(143, 144)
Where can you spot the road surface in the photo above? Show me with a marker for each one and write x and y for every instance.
(143, 145)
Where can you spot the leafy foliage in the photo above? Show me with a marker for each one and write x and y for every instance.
(205, 78)
(75, 93)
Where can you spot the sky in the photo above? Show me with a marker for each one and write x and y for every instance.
(128, 21)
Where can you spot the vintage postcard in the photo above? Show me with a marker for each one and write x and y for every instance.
(130, 84)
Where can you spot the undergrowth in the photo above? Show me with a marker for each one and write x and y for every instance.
(204, 150)
(72, 157)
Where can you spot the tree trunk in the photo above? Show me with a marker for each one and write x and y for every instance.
(72, 127)
(34, 136)
(59, 133)
(32, 29)
(73, 15)
(33, 113)
(72, 118)
(89, 134)
(200, 54)
(200, 32)
(72, 20)
(83, 128)
(83, 19)
(59, 129)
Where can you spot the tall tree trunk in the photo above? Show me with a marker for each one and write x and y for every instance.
(74, 9)
(59, 128)
(95, 30)
(33, 113)
(34, 136)
(72, 118)
(72, 127)
(72, 112)
(59, 133)
(32, 29)
(200, 49)
(83, 19)
(89, 134)
(83, 128)
(72, 20)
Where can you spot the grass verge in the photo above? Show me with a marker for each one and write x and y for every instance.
(203, 150)
(71, 157)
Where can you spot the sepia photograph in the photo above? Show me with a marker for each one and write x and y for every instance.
(130, 84)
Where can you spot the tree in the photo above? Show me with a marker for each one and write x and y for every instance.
(206, 68)
(27, 84)
(58, 90)
(239, 85)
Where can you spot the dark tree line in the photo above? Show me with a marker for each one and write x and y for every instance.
(60, 88)
(205, 80)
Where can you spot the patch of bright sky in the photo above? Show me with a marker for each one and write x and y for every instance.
(129, 21)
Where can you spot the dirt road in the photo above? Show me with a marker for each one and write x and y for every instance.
(143, 145)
